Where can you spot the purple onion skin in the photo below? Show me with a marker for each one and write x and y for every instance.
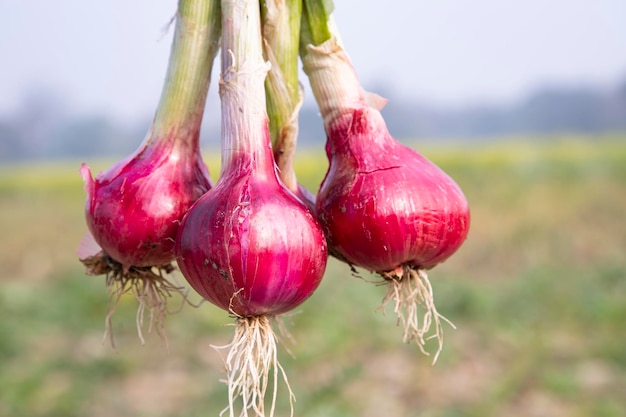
(134, 209)
(250, 247)
(383, 204)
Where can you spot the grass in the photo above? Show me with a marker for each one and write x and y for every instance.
(538, 295)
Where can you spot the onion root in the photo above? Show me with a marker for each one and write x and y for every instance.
(250, 365)
(409, 289)
(148, 285)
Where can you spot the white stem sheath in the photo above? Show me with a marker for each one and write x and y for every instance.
(242, 90)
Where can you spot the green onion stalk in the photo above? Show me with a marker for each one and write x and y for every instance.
(281, 21)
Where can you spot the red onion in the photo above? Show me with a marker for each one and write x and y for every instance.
(248, 245)
(383, 206)
(133, 209)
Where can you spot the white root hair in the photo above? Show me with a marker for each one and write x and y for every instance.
(410, 291)
(152, 289)
(250, 365)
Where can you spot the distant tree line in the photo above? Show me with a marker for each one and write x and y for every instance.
(548, 111)
(42, 128)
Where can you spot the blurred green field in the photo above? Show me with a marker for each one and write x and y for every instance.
(538, 295)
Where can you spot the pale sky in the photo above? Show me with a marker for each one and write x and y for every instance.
(111, 55)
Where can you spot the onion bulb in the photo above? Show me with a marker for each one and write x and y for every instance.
(249, 246)
(133, 209)
(383, 206)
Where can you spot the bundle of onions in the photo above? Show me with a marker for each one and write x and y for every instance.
(248, 245)
(133, 209)
(383, 206)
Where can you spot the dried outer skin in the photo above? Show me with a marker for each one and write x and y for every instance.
(134, 209)
(250, 247)
(383, 204)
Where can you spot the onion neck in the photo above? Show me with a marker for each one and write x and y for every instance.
(246, 143)
(332, 77)
(196, 39)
